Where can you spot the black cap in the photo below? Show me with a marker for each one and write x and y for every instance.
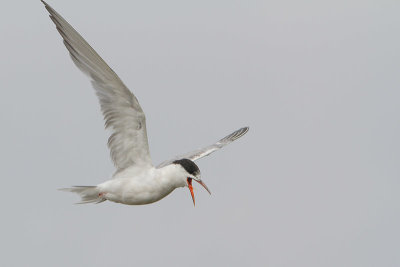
(189, 166)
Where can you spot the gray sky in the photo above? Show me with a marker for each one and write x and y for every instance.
(314, 183)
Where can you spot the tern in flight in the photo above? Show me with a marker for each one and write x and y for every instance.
(136, 181)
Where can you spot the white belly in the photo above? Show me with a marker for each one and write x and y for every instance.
(139, 194)
(135, 191)
(141, 186)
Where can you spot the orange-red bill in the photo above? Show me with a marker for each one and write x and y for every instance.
(189, 181)
(204, 185)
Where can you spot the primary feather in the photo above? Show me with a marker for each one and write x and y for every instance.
(205, 151)
(122, 113)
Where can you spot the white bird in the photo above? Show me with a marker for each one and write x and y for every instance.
(136, 180)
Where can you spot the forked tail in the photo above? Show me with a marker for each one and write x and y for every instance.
(89, 194)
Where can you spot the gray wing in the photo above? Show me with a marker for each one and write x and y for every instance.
(202, 152)
(122, 113)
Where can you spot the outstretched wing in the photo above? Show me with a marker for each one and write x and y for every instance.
(122, 113)
(202, 152)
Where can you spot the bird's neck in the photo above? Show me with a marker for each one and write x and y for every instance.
(172, 175)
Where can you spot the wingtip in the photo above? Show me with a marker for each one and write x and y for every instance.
(48, 8)
(242, 131)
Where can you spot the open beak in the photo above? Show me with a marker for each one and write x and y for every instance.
(189, 181)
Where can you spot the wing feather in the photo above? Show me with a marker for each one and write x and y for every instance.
(121, 110)
(202, 152)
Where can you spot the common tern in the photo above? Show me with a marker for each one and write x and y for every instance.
(136, 181)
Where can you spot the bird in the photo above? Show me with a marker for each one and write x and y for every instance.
(136, 180)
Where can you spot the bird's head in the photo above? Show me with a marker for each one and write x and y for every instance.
(192, 172)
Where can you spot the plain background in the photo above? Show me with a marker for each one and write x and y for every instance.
(314, 183)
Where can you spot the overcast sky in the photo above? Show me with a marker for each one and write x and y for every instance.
(315, 182)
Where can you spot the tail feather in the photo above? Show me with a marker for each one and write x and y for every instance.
(88, 194)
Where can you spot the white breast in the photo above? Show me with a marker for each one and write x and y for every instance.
(138, 186)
